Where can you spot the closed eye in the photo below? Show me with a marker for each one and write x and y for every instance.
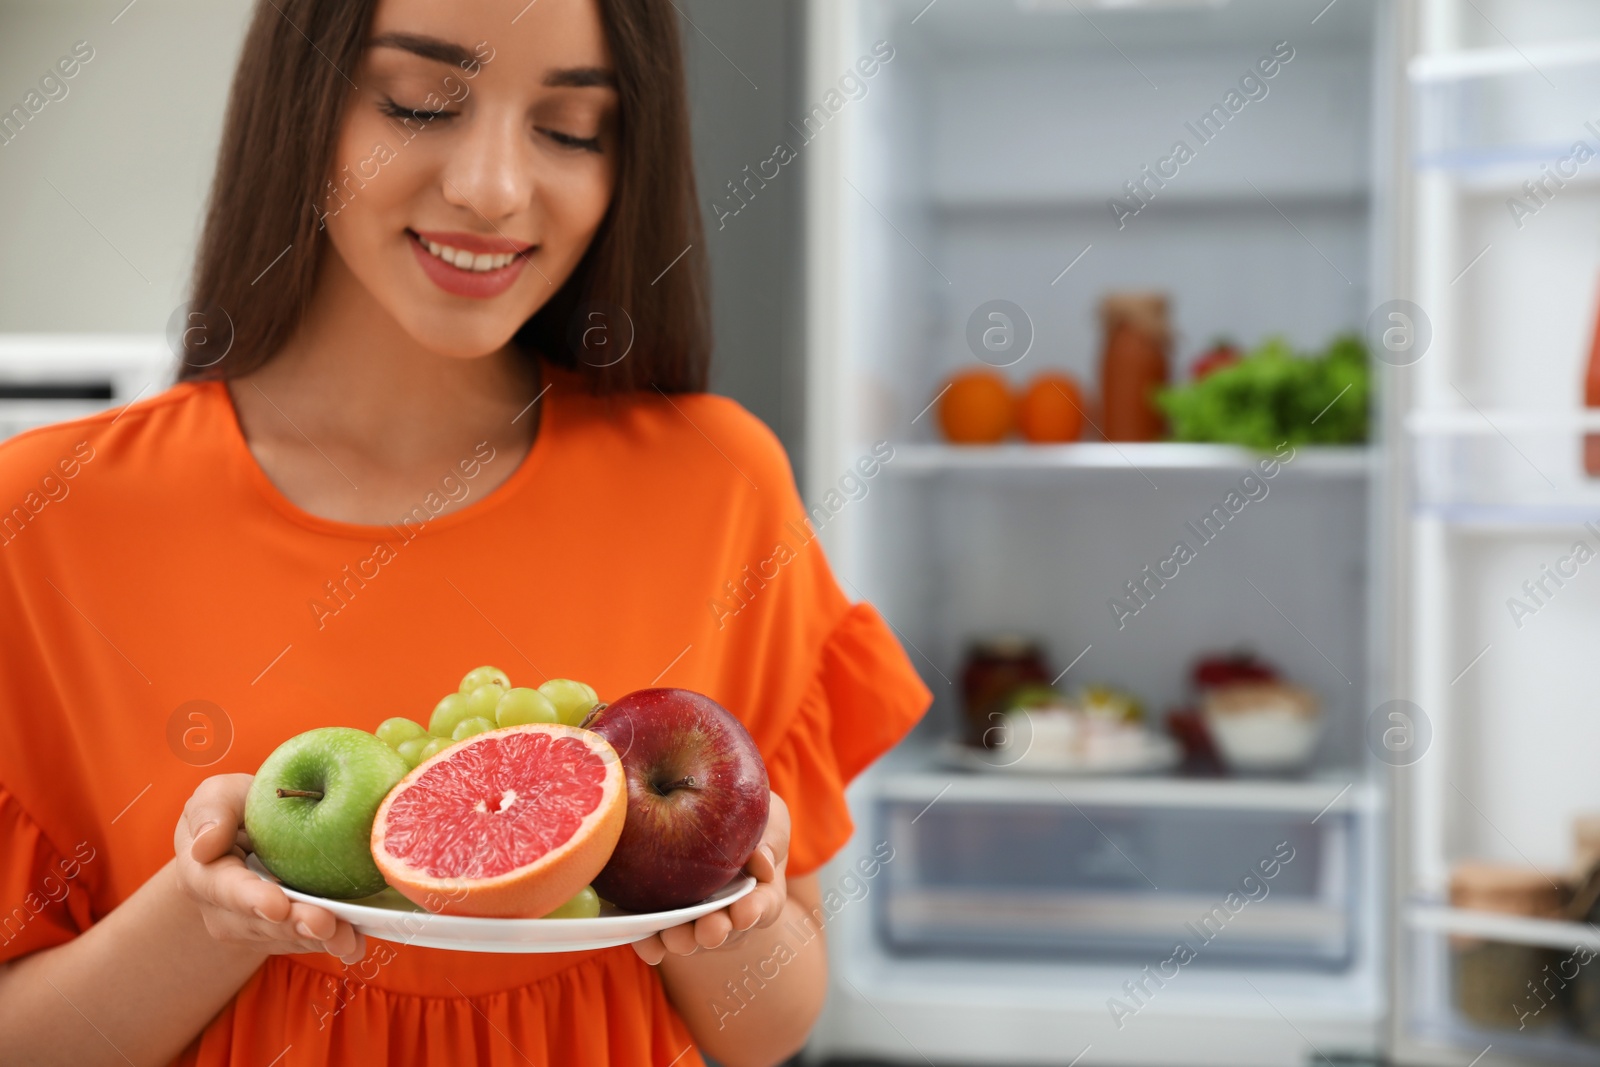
(587, 144)
(389, 107)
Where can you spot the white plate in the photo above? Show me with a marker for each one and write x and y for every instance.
(391, 917)
(1158, 754)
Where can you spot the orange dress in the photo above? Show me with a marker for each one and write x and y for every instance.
(166, 614)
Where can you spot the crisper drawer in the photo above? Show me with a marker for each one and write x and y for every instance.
(1087, 881)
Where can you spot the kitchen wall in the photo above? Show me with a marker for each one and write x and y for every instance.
(101, 194)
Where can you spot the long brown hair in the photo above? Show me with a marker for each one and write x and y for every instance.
(262, 244)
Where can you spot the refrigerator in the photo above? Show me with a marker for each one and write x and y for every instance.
(1408, 172)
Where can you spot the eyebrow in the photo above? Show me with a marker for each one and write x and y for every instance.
(581, 78)
(442, 51)
(427, 47)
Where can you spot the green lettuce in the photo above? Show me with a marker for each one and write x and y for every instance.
(1274, 395)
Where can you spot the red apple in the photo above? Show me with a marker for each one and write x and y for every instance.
(697, 798)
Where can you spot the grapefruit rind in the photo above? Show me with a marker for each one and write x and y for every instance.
(533, 889)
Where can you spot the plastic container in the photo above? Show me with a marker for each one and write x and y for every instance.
(1262, 727)
(985, 878)
(1492, 979)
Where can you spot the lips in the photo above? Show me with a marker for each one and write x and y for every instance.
(467, 264)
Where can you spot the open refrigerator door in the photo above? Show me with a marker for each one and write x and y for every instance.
(1493, 776)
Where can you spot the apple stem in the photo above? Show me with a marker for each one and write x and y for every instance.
(686, 782)
(593, 713)
(313, 794)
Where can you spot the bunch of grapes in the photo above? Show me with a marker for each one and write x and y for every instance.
(486, 700)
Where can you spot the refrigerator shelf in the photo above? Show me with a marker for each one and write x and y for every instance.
(1481, 422)
(1519, 930)
(1315, 191)
(1326, 794)
(1464, 65)
(1493, 107)
(1509, 519)
(919, 459)
(1504, 469)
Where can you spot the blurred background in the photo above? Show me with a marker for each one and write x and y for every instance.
(1202, 390)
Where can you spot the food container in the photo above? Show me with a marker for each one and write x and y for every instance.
(1585, 845)
(1133, 365)
(1262, 726)
(996, 667)
(1585, 908)
(1494, 980)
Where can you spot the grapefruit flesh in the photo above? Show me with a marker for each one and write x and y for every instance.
(510, 823)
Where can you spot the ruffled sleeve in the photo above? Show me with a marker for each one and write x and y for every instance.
(862, 699)
(43, 901)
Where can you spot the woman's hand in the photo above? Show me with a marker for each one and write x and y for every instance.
(211, 844)
(760, 907)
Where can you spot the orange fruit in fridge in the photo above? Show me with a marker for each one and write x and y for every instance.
(1051, 410)
(976, 408)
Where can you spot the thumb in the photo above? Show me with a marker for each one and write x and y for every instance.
(214, 814)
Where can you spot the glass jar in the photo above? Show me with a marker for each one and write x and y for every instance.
(1497, 983)
(1133, 365)
(1585, 908)
(995, 668)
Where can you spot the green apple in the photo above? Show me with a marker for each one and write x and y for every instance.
(522, 706)
(310, 808)
(585, 904)
(573, 700)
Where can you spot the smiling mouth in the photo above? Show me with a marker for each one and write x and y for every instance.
(461, 259)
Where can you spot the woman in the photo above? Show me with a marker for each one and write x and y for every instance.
(440, 405)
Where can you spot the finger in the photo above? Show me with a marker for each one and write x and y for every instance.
(211, 839)
(347, 943)
(763, 864)
(711, 931)
(651, 950)
(313, 923)
(769, 901)
(214, 813)
(778, 831)
(745, 912)
(679, 940)
(227, 883)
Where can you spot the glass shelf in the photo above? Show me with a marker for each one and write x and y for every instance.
(1436, 1020)
(1504, 468)
(1329, 462)
(1517, 929)
(1494, 107)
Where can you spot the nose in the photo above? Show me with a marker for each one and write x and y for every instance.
(492, 173)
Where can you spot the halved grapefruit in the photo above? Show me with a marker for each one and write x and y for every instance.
(509, 823)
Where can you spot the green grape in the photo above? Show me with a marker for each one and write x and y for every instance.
(467, 727)
(521, 706)
(484, 676)
(573, 700)
(482, 701)
(393, 731)
(448, 713)
(585, 904)
(434, 747)
(411, 749)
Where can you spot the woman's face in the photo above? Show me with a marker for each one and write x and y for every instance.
(475, 161)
